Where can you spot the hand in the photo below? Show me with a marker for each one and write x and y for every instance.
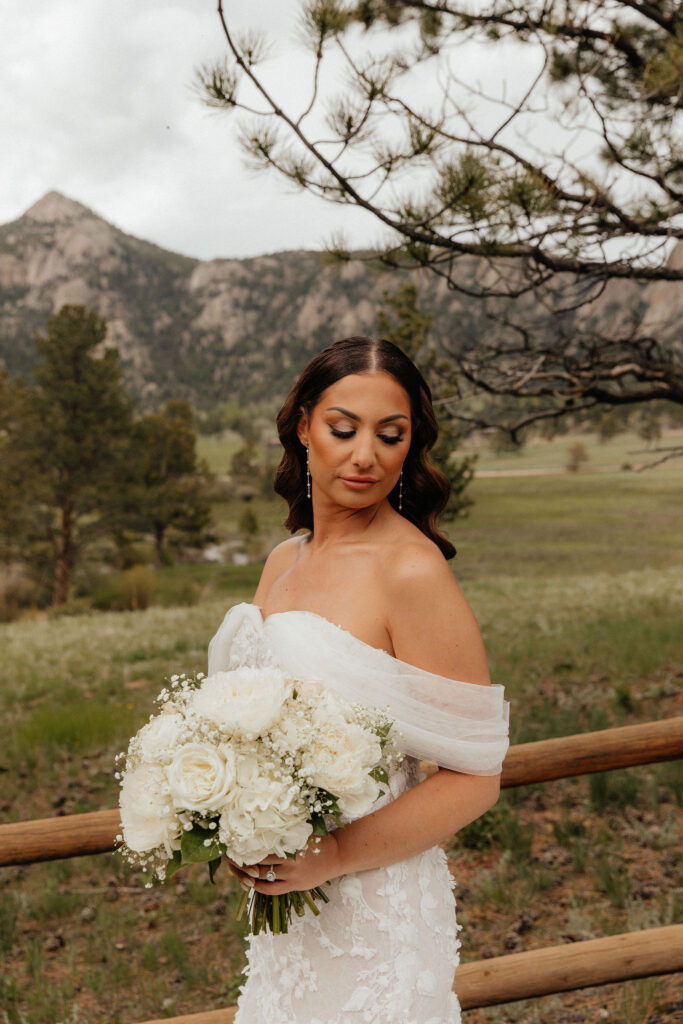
(308, 869)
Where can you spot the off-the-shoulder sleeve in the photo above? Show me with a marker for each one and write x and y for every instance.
(221, 644)
(459, 725)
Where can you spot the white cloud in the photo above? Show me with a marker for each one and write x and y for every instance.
(96, 101)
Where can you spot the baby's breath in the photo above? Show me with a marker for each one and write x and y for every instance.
(279, 772)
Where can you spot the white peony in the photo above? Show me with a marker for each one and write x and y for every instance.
(330, 705)
(264, 815)
(246, 701)
(293, 731)
(340, 755)
(146, 811)
(200, 776)
(309, 690)
(158, 738)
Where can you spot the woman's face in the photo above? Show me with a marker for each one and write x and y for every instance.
(357, 438)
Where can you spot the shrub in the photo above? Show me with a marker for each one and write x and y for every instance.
(137, 587)
(248, 524)
(576, 456)
(131, 590)
(17, 591)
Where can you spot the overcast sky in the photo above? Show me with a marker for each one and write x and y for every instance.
(96, 101)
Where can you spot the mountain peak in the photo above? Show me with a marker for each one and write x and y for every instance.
(57, 207)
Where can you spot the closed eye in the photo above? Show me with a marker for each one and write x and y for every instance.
(387, 438)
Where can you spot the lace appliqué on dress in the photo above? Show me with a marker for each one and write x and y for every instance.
(248, 647)
(385, 948)
(382, 951)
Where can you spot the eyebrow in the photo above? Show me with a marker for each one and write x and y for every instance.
(352, 416)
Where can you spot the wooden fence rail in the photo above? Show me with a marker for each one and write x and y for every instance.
(76, 835)
(542, 972)
(482, 983)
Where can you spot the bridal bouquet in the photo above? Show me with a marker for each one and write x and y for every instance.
(248, 763)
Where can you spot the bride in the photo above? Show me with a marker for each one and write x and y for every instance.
(365, 602)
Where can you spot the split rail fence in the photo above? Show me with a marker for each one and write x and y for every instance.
(503, 979)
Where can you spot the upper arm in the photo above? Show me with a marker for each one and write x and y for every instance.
(430, 622)
(277, 562)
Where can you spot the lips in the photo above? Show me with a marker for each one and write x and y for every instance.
(360, 479)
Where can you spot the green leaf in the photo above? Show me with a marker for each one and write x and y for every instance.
(213, 868)
(329, 802)
(192, 846)
(379, 774)
(319, 826)
(174, 864)
(382, 731)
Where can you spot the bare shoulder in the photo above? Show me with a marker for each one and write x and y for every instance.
(278, 562)
(430, 620)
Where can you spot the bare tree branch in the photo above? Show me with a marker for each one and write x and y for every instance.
(489, 193)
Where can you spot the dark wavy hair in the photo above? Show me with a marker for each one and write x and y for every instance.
(425, 488)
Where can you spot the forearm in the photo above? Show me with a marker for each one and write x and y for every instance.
(424, 816)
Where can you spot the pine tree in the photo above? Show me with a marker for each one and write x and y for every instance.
(79, 436)
(167, 479)
(402, 322)
(541, 195)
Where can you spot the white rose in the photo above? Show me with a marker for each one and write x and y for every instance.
(355, 805)
(200, 776)
(146, 811)
(340, 756)
(158, 738)
(244, 701)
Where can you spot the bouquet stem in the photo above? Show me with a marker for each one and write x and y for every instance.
(274, 913)
(242, 905)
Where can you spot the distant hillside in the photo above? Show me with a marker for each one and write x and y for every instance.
(203, 330)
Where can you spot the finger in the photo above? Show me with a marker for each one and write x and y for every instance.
(273, 888)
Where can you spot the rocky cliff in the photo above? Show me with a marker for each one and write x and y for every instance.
(203, 330)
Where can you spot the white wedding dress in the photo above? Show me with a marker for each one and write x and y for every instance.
(385, 948)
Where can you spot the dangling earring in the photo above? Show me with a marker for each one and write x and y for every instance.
(308, 477)
(400, 492)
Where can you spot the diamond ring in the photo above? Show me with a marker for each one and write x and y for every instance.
(271, 876)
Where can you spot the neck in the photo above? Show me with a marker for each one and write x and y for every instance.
(335, 525)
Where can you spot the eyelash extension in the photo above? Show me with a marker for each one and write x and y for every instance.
(385, 437)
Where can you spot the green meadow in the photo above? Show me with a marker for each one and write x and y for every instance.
(576, 581)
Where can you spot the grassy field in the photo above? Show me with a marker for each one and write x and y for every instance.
(543, 455)
(537, 454)
(576, 581)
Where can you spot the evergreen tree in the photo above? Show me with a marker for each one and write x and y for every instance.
(167, 480)
(77, 435)
(22, 488)
(402, 322)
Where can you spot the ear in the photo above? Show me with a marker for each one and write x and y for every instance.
(302, 427)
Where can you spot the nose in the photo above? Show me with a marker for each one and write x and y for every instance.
(364, 450)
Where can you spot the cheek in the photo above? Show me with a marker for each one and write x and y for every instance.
(401, 450)
(327, 452)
